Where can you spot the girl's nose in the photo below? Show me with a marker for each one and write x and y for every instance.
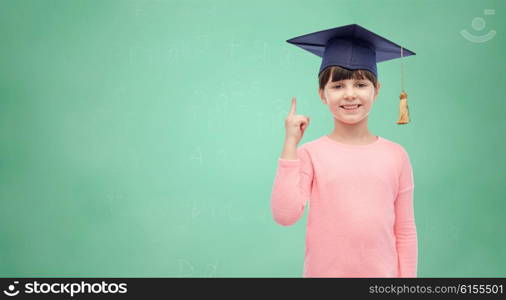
(349, 92)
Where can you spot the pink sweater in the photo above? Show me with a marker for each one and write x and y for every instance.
(361, 220)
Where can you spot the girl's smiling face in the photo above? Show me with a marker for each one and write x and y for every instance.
(343, 94)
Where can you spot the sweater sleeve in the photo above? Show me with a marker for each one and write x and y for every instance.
(292, 188)
(405, 227)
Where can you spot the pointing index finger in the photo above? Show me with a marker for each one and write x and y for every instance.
(292, 109)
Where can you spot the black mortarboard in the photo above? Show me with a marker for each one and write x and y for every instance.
(353, 47)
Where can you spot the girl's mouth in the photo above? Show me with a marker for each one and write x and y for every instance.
(350, 107)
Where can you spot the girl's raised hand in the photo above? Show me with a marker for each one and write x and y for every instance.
(295, 125)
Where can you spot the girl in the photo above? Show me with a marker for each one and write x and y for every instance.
(360, 186)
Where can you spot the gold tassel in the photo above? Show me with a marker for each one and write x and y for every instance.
(403, 105)
(403, 109)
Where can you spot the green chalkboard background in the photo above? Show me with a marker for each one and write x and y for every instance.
(141, 138)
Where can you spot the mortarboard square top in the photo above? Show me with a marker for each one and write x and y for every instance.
(352, 47)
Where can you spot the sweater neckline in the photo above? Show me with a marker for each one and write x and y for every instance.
(351, 146)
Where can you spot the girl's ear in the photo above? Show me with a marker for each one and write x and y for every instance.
(322, 95)
(378, 85)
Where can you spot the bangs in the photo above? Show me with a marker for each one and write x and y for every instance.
(338, 73)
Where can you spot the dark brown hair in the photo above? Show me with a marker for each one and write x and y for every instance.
(338, 73)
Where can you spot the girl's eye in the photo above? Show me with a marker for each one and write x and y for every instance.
(359, 84)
